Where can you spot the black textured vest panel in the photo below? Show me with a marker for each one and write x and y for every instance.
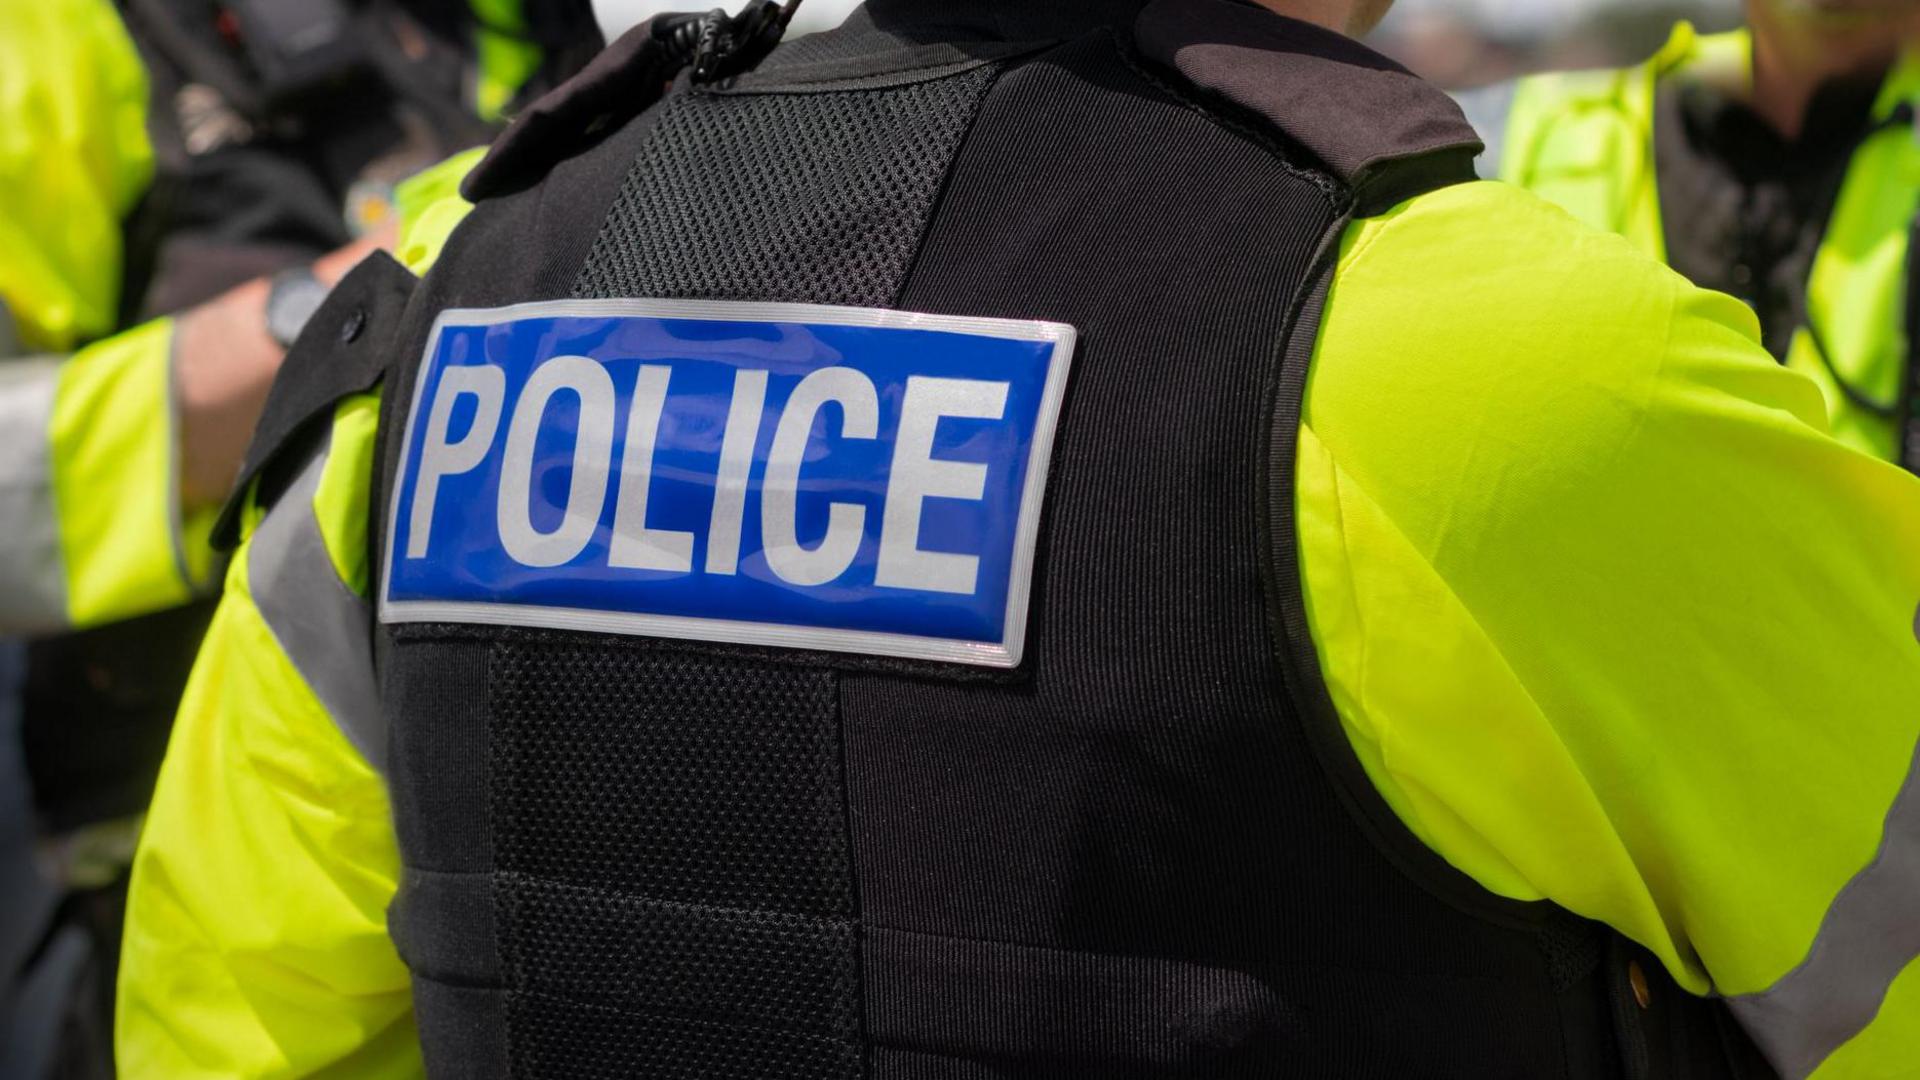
(1139, 854)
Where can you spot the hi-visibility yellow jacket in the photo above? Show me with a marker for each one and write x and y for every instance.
(1584, 140)
(92, 528)
(1608, 616)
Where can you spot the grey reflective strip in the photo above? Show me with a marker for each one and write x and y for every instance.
(33, 589)
(1869, 936)
(1487, 108)
(321, 625)
(178, 534)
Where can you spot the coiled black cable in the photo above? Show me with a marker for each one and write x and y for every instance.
(1903, 116)
(718, 46)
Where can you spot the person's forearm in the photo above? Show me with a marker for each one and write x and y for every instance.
(224, 363)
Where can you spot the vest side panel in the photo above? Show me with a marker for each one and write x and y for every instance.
(1133, 864)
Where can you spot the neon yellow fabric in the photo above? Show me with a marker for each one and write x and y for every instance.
(74, 158)
(1857, 289)
(113, 445)
(1584, 140)
(430, 207)
(123, 547)
(256, 940)
(1592, 590)
(340, 505)
(507, 58)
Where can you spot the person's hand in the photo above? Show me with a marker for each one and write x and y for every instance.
(224, 363)
(334, 265)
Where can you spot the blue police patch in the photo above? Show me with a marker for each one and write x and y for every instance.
(790, 475)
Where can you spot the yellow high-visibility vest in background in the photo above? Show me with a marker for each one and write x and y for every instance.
(1584, 140)
(92, 527)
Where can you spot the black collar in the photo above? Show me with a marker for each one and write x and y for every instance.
(1725, 127)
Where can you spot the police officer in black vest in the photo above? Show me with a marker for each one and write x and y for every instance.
(1035, 539)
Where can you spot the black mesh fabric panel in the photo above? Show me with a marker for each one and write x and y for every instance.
(817, 197)
(673, 885)
(673, 891)
(605, 762)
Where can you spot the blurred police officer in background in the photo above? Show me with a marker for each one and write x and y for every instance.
(173, 175)
(1779, 164)
(1037, 538)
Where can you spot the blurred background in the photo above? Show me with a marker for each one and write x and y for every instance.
(1465, 43)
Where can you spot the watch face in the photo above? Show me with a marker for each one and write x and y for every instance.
(292, 301)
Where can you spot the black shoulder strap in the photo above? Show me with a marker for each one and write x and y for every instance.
(343, 351)
(1377, 127)
(626, 79)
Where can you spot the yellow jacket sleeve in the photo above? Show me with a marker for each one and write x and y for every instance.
(89, 529)
(91, 526)
(1610, 620)
(127, 547)
(74, 159)
(92, 529)
(256, 941)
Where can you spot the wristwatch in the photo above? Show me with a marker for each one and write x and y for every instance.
(292, 299)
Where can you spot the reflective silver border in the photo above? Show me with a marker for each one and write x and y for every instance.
(1012, 644)
(176, 521)
(33, 575)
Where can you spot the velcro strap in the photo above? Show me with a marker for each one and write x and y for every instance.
(1381, 130)
(343, 351)
(443, 925)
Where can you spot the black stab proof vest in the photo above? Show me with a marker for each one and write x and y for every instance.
(1148, 850)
